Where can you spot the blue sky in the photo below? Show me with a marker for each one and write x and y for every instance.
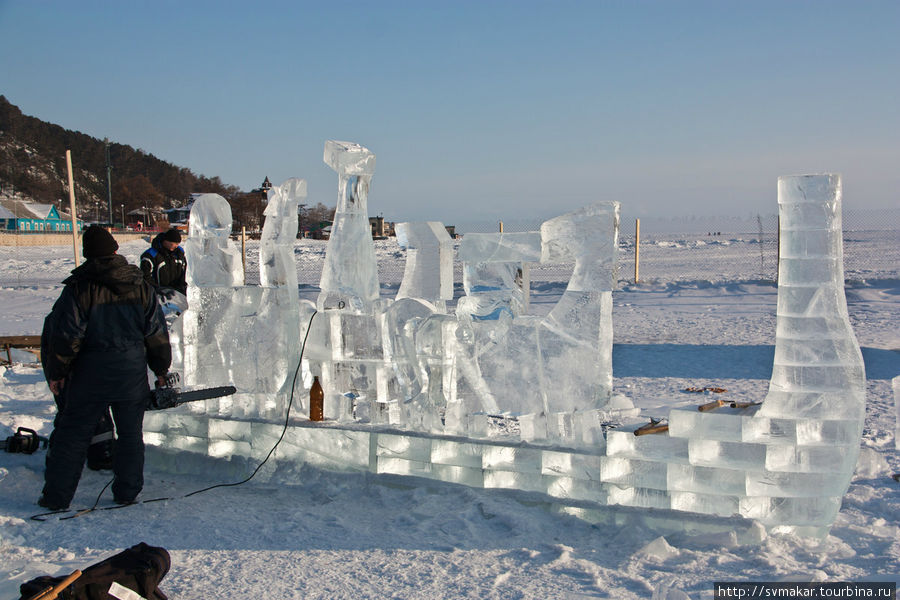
(482, 110)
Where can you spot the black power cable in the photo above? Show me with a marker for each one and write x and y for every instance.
(287, 417)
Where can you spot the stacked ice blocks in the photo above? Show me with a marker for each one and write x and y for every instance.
(788, 461)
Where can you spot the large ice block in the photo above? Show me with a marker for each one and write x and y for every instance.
(429, 261)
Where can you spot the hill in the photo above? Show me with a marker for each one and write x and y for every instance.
(33, 167)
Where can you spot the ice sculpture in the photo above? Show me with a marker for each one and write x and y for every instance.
(213, 266)
(243, 335)
(429, 261)
(277, 266)
(787, 462)
(215, 261)
(555, 366)
(492, 273)
(410, 389)
(350, 275)
(346, 349)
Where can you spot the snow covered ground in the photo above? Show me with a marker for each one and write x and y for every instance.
(344, 535)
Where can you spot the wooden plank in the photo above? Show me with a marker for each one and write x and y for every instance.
(20, 341)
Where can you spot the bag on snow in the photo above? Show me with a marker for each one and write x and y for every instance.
(139, 568)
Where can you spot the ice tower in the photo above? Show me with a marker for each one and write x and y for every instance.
(788, 462)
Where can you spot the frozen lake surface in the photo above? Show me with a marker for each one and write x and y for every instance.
(367, 536)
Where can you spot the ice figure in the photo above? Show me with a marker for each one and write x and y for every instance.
(212, 259)
(429, 261)
(243, 335)
(277, 266)
(350, 274)
(213, 269)
(408, 374)
(545, 369)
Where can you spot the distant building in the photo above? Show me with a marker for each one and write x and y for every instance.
(381, 229)
(263, 190)
(181, 214)
(17, 215)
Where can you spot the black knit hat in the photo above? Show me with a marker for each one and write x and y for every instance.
(97, 241)
(172, 235)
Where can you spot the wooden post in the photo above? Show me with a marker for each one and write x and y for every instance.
(778, 253)
(501, 226)
(637, 248)
(244, 251)
(72, 206)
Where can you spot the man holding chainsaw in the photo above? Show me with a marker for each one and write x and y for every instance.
(103, 332)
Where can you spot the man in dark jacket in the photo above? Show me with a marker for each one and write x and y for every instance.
(164, 264)
(103, 332)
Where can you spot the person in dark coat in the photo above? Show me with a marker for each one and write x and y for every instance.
(164, 263)
(103, 332)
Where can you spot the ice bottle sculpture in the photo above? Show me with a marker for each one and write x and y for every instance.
(351, 357)
(788, 462)
(350, 274)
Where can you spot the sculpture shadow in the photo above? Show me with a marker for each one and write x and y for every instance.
(697, 361)
(693, 361)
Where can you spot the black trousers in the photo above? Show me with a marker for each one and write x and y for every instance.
(73, 428)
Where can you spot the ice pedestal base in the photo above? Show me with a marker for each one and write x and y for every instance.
(637, 472)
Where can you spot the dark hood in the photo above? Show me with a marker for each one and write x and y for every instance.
(113, 272)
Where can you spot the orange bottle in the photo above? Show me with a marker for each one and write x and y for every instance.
(316, 401)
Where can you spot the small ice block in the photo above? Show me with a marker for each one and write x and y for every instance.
(512, 458)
